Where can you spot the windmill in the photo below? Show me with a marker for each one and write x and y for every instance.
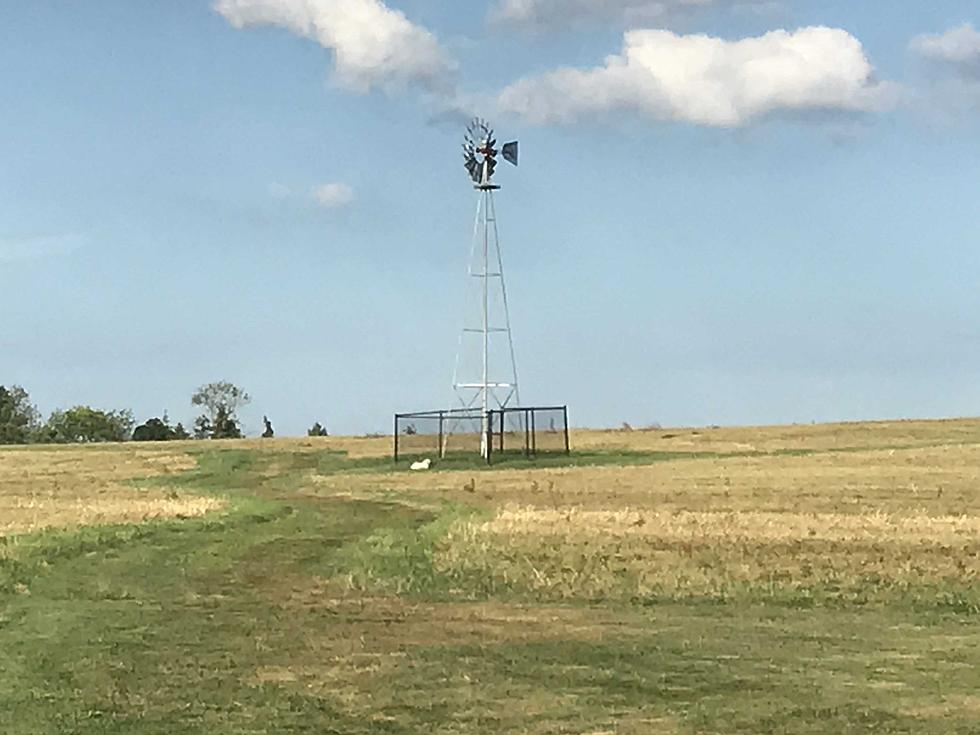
(485, 376)
(487, 401)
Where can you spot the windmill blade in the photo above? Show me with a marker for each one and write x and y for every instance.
(510, 152)
(474, 168)
(491, 166)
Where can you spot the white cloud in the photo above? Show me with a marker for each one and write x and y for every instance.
(959, 46)
(709, 81)
(950, 91)
(333, 196)
(551, 13)
(373, 45)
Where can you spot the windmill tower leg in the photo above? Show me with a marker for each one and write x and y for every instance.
(515, 393)
(486, 370)
(485, 391)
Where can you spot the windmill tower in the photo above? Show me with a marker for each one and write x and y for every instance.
(486, 402)
(485, 376)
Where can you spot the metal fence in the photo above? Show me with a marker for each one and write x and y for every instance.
(508, 432)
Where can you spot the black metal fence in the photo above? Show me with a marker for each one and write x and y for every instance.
(507, 432)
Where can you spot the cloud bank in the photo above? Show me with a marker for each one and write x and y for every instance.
(558, 13)
(373, 46)
(958, 46)
(709, 81)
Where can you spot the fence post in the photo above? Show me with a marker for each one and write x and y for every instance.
(568, 449)
(442, 449)
(527, 433)
(489, 418)
(534, 434)
(396, 438)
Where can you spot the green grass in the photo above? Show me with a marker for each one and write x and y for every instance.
(298, 613)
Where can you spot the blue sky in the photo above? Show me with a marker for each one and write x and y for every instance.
(680, 249)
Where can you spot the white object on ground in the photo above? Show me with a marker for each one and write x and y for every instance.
(423, 465)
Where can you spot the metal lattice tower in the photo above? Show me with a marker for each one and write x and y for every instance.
(485, 376)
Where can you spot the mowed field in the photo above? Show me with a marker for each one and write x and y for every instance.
(806, 579)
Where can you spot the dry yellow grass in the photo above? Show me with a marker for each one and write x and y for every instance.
(71, 486)
(569, 554)
(46, 487)
(851, 508)
(940, 480)
(867, 434)
(356, 447)
(735, 527)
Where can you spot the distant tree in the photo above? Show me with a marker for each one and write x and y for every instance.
(269, 431)
(317, 430)
(19, 419)
(202, 428)
(226, 426)
(83, 424)
(153, 430)
(221, 403)
(159, 430)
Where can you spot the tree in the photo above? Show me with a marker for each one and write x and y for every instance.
(159, 430)
(221, 402)
(153, 430)
(226, 426)
(317, 430)
(202, 428)
(84, 424)
(19, 419)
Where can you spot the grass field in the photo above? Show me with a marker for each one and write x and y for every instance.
(809, 579)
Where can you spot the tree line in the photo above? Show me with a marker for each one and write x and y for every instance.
(219, 403)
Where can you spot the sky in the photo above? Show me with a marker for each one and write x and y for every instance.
(727, 211)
